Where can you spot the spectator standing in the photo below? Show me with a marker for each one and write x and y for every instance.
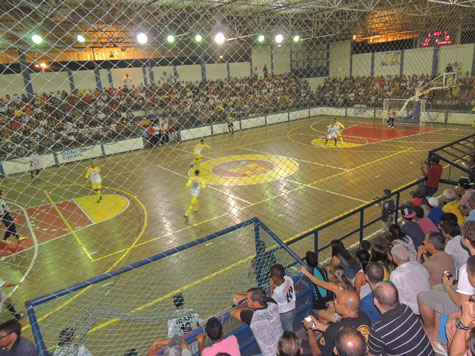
(434, 211)
(410, 228)
(11, 340)
(349, 342)
(214, 330)
(388, 207)
(399, 331)
(452, 205)
(321, 296)
(433, 174)
(265, 71)
(283, 292)
(439, 261)
(347, 305)
(410, 277)
(128, 82)
(262, 316)
(374, 274)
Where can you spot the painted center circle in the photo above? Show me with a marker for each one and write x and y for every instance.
(243, 168)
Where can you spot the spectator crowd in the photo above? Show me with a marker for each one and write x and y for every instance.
(59, 120)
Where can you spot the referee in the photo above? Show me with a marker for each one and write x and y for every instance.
(8, 220)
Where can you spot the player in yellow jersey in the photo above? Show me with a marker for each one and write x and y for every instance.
(94, 174)
(197, 151)
(337, 127)
(194, 186)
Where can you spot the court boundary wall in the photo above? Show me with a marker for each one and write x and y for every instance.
(21, 165)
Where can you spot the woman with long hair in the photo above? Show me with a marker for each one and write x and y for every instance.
(380, 255)
(361, 285)
(341, 256)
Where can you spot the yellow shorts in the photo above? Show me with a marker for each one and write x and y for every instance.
(96, 186)
(193, 200)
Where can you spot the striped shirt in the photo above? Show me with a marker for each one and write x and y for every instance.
(399, 332)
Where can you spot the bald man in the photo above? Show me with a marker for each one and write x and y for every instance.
(349, 342)
(399, 331)
(347, 304)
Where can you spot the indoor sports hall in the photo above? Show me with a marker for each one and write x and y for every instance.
(281, 107)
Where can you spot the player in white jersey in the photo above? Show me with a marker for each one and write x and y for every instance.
(194, 185)
(94, 174)
(8, 220)
(7, 301)
(34, 165)
(391, 117)
(332, 134)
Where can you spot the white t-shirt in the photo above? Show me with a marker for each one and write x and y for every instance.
(455, 249)
(284, 295)
(464, 286)
(34, 161)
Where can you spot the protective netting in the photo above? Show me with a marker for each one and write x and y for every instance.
(127, 85)
(235, 261)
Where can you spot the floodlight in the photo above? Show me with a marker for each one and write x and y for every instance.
(43, 65)
(296, 38)
(142, 38)
(261, 38)
(170, 38)
(198, 38)
(81, 38)
(219, 38)
(36, 39)
(279, 38)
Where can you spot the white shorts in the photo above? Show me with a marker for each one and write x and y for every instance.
(330, 136)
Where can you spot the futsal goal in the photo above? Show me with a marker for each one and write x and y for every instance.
(413, 110)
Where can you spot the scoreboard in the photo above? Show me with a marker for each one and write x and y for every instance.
(440, 38)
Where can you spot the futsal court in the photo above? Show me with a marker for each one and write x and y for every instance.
(250, 173)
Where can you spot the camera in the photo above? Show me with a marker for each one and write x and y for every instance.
(308, 320)
(447, 274)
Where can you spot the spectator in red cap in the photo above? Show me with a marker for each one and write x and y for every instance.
(433, 174)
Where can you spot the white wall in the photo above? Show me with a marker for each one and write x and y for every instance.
(118, 76)
(315, 82)
(50, 82)
(418, 61)
(188, 73)
(12, 84)
(362, 65)
(240, 69)
(261, 56)
(84, 79)
(104, 78)
(281, 61)
(461, 54)
(340, 59)
(387, 63)
(158, 72)
(216, 71)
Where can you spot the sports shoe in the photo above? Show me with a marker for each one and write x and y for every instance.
(21, 238)
(19, 316)
(6, 242)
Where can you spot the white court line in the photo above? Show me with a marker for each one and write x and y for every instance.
(325, 190)
(218, 190)
(295, 159)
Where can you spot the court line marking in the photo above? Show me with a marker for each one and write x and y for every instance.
(292, 158)
(326, 190)
(209, 185)
(127, 251)
(190, 285)
(70, 228)
(83, 211)
(257, 203)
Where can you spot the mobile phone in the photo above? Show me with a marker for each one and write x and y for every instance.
(309, 319)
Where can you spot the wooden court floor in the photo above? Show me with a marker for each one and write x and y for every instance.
(281, 173)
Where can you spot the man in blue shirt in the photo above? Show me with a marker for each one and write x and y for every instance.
(435, 212)
(374, 274)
